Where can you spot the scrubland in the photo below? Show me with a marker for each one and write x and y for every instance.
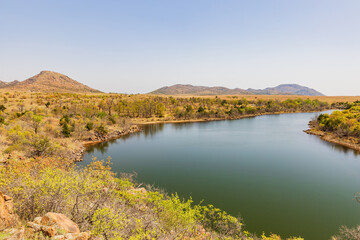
(43, 133)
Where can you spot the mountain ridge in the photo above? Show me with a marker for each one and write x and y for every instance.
(282, 89)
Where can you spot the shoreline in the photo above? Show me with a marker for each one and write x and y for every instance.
(348, 142)
(113, 135)
(222, 119)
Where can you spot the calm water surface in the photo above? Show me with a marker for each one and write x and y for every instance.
(263, 169)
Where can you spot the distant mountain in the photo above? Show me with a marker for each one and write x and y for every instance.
(283, 89)
(287, 89)
(179, 89)
(47, 81)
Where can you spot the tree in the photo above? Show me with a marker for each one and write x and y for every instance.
(66, 130)
(35, 120)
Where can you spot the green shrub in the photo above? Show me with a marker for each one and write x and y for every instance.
(101, 130)
(66, 130)
(89, 126)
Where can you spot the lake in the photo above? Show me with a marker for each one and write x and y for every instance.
(265, 170)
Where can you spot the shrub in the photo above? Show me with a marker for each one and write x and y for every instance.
(101, 130)
(89, 126)
(42, 146)
(112, 120)
(66, 130)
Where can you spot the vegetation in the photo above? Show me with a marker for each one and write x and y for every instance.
(343, 123)
(41, 133)
(55, 124)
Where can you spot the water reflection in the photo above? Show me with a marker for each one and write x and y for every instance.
(343, 149)
(152, 129)
(148, 131)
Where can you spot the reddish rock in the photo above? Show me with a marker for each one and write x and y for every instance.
(48, 231)
(7, 218)
(61, 221)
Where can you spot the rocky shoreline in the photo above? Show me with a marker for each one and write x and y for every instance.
(77, 155)
(348, 142)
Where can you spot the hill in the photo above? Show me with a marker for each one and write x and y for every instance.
(283, 89)
(179, 89)
(287, 89)
(47, 81)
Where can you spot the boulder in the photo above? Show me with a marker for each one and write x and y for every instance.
(7, 217)
(60, 221)
(57, 226)
(49, 231)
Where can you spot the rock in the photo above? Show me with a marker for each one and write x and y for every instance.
(57, 226)
(59, 237)
(73, 236)
(16, 234)
(49, 231)
(37, 220)
(79, 236)
(60, 221)
(7, 218)
(34, 226)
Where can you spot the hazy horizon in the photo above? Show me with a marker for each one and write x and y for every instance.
(137, 47)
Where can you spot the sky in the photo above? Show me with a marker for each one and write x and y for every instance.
(137, 46)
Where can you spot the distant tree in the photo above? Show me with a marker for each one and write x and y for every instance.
(66, 130)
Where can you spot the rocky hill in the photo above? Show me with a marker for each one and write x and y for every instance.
(47, 81)
(283, 89)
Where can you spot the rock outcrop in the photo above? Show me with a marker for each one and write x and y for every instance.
(57, 226)
(7, 216)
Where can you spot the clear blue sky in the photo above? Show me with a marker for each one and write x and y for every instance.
(136, 46)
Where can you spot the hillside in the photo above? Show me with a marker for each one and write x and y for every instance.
(47, 81)
(283, 89)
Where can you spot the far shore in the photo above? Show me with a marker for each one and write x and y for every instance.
(219, 119)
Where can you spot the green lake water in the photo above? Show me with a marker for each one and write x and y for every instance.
(265, 170)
